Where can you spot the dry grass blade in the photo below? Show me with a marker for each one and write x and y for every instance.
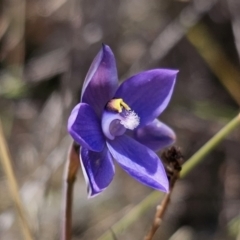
(216, 59)
(7, 167)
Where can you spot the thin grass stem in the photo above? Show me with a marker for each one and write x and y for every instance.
(13, 187)
(209, 146)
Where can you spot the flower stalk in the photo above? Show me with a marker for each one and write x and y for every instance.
(69, 180)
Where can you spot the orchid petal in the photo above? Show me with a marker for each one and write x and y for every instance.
(101, 81)
(98, 170)
(139, 161)
(155, 135)
(148, 93)
(85, 128)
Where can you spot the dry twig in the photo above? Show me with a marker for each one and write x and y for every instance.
(173, 160)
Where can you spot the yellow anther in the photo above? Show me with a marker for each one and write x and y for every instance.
(125, 105)
(117, 105)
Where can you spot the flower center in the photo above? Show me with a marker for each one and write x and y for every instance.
(118, 117)
(130, 119)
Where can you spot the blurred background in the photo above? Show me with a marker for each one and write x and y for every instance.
(46, 47)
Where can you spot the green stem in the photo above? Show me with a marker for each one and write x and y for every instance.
(153, 198)
(209, 146)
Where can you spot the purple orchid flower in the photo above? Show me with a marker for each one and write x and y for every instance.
(121, 122)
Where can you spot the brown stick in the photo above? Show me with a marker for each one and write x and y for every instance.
(173, 160)
(72, 166)
(161, 209)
